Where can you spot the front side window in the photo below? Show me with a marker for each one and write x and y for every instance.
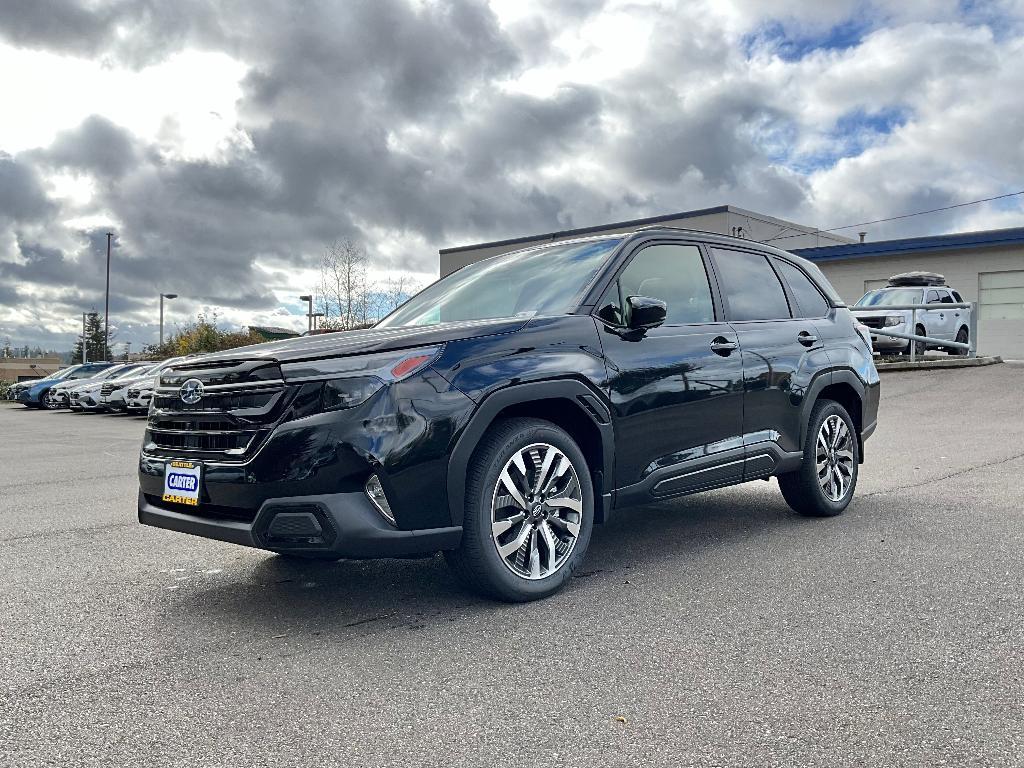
(541, 281)
(808, 298)
(751, 288)
(933, 297)
(672, 273)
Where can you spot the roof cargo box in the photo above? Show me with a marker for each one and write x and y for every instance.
(917, 278)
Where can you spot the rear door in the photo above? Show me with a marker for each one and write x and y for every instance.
(782, 351)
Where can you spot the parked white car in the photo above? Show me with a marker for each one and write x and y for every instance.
(937, 321)
(63, 394)
(137, 390)
(87, 396)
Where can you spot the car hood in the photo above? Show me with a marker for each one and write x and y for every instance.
(365, 341)
(874, 312)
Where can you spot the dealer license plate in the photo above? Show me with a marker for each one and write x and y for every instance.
(181, 482)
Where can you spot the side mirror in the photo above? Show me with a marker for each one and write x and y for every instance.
(645, 312)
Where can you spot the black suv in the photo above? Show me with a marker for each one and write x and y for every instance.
(507, 408)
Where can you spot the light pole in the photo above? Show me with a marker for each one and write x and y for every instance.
(106, 305)
(163, 296)
(315, 316)
(309, 314)
(84, 340)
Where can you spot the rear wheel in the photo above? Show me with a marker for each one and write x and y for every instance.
(824, 484)
(529, 512)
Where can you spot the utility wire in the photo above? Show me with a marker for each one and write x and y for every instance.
(894, 218)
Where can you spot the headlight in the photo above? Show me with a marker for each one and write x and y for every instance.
(386, 366)
(348, 393)
(353, 379)
(891, 320)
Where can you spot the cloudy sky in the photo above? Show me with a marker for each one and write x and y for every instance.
(226, 141)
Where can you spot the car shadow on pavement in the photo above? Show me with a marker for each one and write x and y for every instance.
(267, 593)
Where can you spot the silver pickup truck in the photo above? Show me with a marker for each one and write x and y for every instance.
(937, 321)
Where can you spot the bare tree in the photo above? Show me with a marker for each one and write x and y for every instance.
(397, 291)
(343, 283)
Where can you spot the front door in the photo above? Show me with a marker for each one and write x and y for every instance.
(676, 390)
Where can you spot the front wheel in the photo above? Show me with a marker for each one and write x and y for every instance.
(824, 484)
(49, 401)
(919, 346)
(961, 336)
(529, 512)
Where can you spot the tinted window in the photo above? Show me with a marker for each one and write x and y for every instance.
(957, 297)
(810, 301)
(932, 298)
(674, 274)
(752, 289)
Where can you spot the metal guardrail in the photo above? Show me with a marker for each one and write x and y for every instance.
(972, 326)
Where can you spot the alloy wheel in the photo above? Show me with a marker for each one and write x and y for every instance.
(834, 458)
(536, 511)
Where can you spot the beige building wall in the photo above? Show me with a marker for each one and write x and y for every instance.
(964, 271)
(21, 368)
(726, 220)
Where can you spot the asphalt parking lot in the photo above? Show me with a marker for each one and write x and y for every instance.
(721, 629)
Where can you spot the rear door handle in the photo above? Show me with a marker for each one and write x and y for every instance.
(722, 346)
(805, 338)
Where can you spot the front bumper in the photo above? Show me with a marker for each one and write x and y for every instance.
(339, 524)
(886, 342)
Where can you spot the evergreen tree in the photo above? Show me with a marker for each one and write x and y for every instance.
(95, 347)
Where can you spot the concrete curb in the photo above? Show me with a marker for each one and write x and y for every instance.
(952, 362)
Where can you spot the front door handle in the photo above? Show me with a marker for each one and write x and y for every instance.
(805, 338)
(722, 346)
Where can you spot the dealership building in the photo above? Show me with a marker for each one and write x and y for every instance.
(986, 266)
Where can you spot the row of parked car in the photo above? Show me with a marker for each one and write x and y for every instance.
(100, 386)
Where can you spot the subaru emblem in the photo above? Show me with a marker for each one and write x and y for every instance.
(191, 392)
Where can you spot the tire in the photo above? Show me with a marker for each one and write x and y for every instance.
(919, 346)
(803, 489)
(47, 403)
(963, 337)
(518, 449)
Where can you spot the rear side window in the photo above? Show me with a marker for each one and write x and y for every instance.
(810, 302)
(945, 298)
(957, 297)
(750, 287)
(932, 297)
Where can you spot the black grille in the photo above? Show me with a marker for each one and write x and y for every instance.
(873, 322)
(225, 424)
(221, 373)
(201, 441)
(218, 401)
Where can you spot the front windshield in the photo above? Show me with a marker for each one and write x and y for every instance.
(889, 296)
(543, 280)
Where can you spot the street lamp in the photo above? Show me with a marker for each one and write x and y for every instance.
(309, 314)
(315, 316)
(163, 296)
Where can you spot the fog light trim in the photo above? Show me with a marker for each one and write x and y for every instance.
(375, 493)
